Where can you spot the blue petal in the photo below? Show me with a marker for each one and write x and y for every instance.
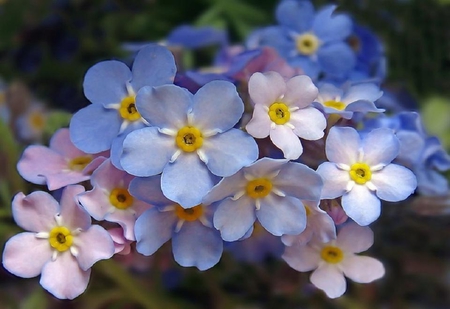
(197, 245)
(217, 106)
(234, 218)
(329, 27)
(148, 189)
(117, 143)
(336, 58)
(152, 229)
(282, 215)
(265, 166)
(273, 36)
(190, 37)
(394, 183)
(342, 145)
(309, 66)
(187, 180)
(380, 146)
(105, 82)
(295, 15)
(228, 152)
(154, 65)
(93, 128)
(362, 205)
(164, 106)
(146, 152)
(365, 91)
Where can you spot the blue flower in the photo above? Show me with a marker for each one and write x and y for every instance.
(194, 241)
(111, 87)
(191, 139)
(268, 190)
(312, 41)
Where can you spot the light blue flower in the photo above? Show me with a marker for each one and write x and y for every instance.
(360, 170)
(268, 190)
(111, 88)
(312, 41)
(194, 241)
(191, 139)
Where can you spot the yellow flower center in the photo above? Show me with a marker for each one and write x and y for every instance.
(79, 163)
(189, 139)
(308, 210)
(189, 214)
(307, 44)
(259, 187)
(335, 104)
(360, 173)
(36, 120)
(331, 254)
(279, 113)
(128, 109)
(120, 198)
(60, 238)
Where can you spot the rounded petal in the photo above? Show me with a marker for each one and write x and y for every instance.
(216, 106)
(329, 279)
(64, 278)
(105, 82)
(309, 123)
(234, 218)
(336, 58)
(295, 15)
(35, 212)
(331, 27)
(380, 146)
(96, 203)
(197, 245)
(362, 269)
(152, 229)
(266, 88)
(25, 255)
(335, 180)
(154, 65)
(302, 258)
(265, 166)
(72, 214)
(394, 183)
(94, 244)
(93, 128)
(362, 205)
(164, 106)
(146, 152)
(300, 181)
(226, 187)
(365, 91)
(228, 152)
(354, 238)
(300, 91)
(177, 180)
(260, 124)
(282, 215)
(61, 143)
(342, 145)
(285, 139)
(148, 189)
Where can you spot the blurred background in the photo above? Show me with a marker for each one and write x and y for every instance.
(46, 46)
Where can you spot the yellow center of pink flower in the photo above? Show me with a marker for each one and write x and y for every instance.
(60, 238)
(332, 255)
(120, 198)
(279, 113)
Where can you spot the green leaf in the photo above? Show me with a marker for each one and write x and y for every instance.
(435, 111)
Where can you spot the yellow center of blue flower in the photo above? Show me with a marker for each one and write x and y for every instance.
(189, 214)
(332, 255)
(360, 173)
(279, 113)
(189, 139)
(79, 163)
(335, 104)
(37, 120)
(307, 44)
(128, 109)
(60, 238)
(120, 198)
(259, 187)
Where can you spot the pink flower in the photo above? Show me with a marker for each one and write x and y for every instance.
(59, 165)
(61, 244)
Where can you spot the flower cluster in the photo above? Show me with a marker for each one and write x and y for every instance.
(271, 140)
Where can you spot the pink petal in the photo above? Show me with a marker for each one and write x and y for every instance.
(329, 279)
(266, 88)
(259, 125)
(35, 212)
(302, 258)
(354, 238)
(300, 91)
(285, 139)
(93, 245)
(61, 143)
(64, 278)
(25, 255)
(362, 269)
(72, 214)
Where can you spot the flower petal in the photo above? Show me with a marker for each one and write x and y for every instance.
(329, 279)
(302, 258)
(72, 214)
(217, 106)
(146, 152)
(64, 278)
(354, 238)
(342, 145)
(148, 189)
(285, 139)
(282, 215)
(365, 91)
(331, 27)
(259, 125)
(380, 146)
(336, 58)
(25, 255)
(394, 183)
(266, 88)
(227, 187)
(94, 244)
(234, 218)
(105, 82)
(228, 152)
(309, 123)
(197, 245)
(362, 205)
(362, 269)
(335, 180)
(295, 15)
(300, 91)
